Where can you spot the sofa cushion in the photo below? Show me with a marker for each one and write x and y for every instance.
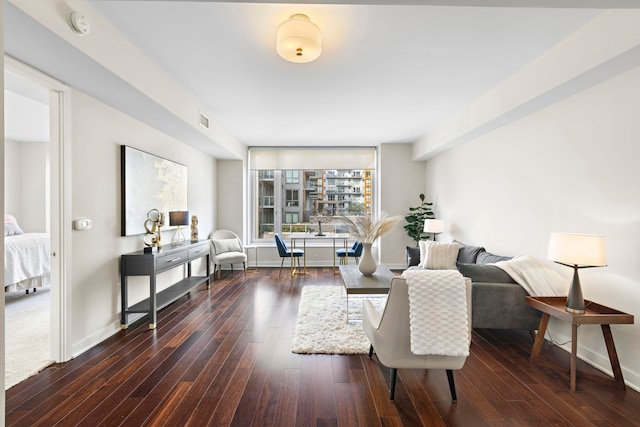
(489, 258)
(468, 253)
(413, 256)
(438, 255)
(484, 273)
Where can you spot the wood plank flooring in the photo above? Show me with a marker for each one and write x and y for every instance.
(221, 357)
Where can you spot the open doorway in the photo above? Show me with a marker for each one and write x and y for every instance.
(34, 201)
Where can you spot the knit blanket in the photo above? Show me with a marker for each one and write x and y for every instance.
(438, 314)
(536, 276)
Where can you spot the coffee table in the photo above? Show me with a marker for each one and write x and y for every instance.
(356, 283)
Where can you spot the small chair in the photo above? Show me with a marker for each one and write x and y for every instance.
(285, 252)
(227, 249)
(354, 252)
(389, 334)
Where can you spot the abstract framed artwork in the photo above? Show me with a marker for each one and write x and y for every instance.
(149, 182)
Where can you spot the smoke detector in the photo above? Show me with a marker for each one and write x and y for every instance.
(79, 23)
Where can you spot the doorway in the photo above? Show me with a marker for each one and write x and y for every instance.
(46, 207)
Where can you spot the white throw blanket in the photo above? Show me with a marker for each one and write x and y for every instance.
(438, 314)
(535, 275)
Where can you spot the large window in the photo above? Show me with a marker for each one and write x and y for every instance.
(284, 196)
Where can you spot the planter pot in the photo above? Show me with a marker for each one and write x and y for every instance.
(367, 264)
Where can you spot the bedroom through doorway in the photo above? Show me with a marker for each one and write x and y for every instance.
(32, 328)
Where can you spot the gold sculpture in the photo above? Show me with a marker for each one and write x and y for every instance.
(194, 228)
(152, 226)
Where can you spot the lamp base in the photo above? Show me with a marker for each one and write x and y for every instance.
(575, 301)
(178, 238)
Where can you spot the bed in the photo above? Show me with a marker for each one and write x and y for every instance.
(27, 258)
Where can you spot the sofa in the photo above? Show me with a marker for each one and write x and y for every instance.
(498, 302)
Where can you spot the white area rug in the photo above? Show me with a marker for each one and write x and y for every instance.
(26, 335)
(321, 326)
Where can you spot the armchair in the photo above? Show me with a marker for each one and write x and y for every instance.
(227, 249)
(388, 331)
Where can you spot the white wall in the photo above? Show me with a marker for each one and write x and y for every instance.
(569, 167)
(401, 183)
(97, 133)
(26, 170)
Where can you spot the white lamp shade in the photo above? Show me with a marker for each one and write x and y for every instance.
(434, 226)
(583, 250)
(298, 39)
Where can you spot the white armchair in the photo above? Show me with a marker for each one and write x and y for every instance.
(388, 331)
(227, 249)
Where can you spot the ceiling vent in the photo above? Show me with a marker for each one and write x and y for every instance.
(204, 120)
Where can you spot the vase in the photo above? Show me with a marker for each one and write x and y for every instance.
(367, 264)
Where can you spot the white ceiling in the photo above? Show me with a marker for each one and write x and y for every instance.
(386, 73)
(389, 71)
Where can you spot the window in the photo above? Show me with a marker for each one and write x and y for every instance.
(291, 177)
(291, 218)
(291, 198)
(287, 185)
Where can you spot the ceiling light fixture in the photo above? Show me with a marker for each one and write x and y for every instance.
(298, 39)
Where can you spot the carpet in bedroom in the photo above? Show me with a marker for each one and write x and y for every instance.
(26, 335)
(321, 325)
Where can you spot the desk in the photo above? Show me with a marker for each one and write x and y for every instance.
(307, 236)
(595, 314)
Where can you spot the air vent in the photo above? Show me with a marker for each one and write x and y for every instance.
(204, 120)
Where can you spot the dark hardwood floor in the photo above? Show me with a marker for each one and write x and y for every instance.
(221, 357)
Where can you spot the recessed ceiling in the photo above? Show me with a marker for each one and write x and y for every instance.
(386, 73)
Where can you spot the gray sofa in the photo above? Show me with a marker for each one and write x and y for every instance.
(498, 302)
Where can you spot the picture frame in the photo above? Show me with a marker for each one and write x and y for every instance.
(149, 182)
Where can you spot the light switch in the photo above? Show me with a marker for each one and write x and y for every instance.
(82, 224)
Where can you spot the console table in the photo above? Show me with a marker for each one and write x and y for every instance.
(595, 314)
(151, 264)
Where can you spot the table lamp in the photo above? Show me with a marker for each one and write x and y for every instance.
(178, 218)
(576, 251)
(433, 226)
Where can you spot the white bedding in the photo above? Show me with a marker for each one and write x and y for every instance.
(27, 260)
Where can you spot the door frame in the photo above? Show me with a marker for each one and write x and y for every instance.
(59, 221)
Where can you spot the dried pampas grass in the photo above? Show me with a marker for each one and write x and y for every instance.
(366, 230)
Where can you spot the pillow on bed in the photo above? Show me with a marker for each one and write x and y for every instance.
(11, 227)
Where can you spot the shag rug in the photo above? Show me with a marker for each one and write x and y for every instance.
(321, 325)
(27, 326)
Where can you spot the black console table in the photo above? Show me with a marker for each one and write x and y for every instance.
(150, 264)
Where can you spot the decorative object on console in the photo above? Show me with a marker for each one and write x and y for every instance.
(367, 231)
(433, 226)
(415, 219)
(178, 218)
(194, 228)
(576, 251)
(298, 39)
(153, 236)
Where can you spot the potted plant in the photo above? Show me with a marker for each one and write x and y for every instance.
(366, 230)
(320, 216)
(415, 219)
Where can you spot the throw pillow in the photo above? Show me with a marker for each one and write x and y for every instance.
(438, 255)
(468, 253)
(227, 245)
(11, 227)
(489, 258)
(484, 273)
(413, 256)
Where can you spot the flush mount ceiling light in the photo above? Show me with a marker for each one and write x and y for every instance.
(298, 39)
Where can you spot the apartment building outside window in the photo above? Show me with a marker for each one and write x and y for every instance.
(283, 199)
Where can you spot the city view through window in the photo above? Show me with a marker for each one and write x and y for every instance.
(289, 201)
